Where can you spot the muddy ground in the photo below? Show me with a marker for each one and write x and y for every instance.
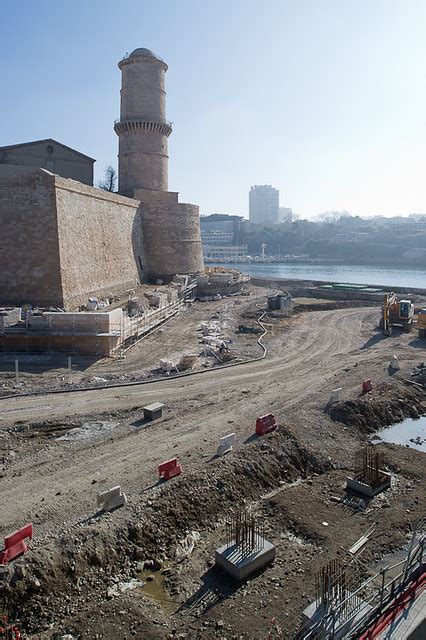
(293, 480)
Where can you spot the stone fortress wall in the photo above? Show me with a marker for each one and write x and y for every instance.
(178, 248)
(30, 269)
(63, 241)
(100, 241)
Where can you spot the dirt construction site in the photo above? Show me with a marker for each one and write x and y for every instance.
(147, 570)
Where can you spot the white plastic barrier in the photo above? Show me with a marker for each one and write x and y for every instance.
(394, 363)
(336, 395)
(111, 499)
(226, 444)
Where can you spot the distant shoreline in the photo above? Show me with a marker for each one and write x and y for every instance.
(386, 278)
(262, 281)
(319, 262)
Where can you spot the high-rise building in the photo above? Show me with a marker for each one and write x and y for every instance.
(264, 205)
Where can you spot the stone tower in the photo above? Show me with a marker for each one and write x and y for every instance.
(142, 129)
(171, 235)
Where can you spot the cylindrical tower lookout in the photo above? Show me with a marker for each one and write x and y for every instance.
(142, 129)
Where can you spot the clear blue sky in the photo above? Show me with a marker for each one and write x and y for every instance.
(324, 99)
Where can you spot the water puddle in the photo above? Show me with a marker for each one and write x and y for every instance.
(155, 587)
(409, 433)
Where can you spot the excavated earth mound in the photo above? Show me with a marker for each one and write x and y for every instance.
(387, 404)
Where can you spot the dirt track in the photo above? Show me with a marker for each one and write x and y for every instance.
(319, 339)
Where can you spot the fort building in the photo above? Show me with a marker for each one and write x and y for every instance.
(63, 240)
(51, 155)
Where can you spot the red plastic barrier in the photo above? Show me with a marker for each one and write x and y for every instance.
(15, 545)
(366, 386)
(169, 469)
(266, 424)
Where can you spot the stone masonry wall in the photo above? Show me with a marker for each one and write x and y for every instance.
(29, 251)
(100, 241)
(171, 236)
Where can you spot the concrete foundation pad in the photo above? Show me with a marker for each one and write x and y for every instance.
(240, 565)
(367, 489)
(313, 613)
(111, 499)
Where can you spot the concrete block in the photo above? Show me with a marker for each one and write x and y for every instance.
(336, 395)
(226, 444)
(240, 565)
(153, 411)
(367, 489)
(111, 499)
(394, 363)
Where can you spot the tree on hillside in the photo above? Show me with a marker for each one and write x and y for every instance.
(109, 182)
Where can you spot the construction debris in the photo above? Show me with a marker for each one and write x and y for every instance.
(218, 281)
(266, 424)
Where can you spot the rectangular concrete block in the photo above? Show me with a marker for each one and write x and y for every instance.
(239, 564)
(153, 411)
(111, 499)
(336, 395)
(226, 444)
(367, 489)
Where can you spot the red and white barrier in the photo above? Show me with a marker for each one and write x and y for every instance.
(169, 469)
(367, 386)
(15, 545)
(266, 424)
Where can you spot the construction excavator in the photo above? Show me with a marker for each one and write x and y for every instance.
(399, 313)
